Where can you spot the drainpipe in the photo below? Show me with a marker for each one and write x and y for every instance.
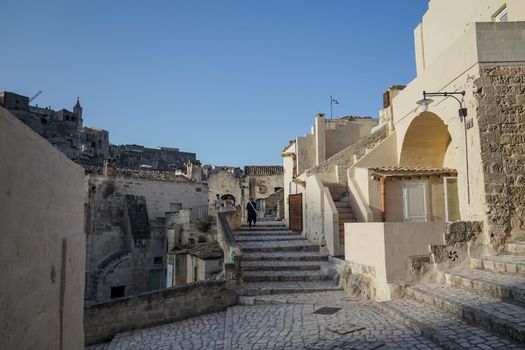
(383, 211)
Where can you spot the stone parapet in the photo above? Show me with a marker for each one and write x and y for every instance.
(102, 321)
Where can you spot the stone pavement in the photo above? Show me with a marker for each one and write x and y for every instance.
(280, 322)
(289, 301)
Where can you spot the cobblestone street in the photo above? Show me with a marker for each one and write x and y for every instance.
(280, 322)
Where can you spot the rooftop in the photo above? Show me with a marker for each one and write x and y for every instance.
(412, 171)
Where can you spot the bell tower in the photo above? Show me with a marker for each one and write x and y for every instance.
(78, 112)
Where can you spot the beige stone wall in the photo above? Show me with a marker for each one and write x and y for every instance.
(224, 182)
(432, 38)
(383, 249)
(344, 135)
(155, 308)
(42, 242)
(306, 152)
(501, 97)
(289, 166)
(160, 194)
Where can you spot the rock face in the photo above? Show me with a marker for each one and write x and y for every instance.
(501, 99)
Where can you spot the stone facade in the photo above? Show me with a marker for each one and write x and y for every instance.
(162, 158)
(261, 183)
(126, 229)
(501, 98)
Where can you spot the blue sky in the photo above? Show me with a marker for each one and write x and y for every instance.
(232, 80)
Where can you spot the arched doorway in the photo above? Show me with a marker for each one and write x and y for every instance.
(426, 152)
(228, 200)
(425, 143)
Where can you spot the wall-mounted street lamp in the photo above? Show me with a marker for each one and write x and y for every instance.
(426, 101)
(462, 112)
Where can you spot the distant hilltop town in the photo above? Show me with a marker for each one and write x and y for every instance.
(90, 146)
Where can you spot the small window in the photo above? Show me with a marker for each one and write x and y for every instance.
(277, 189)
(198, 189)
(157, 260)
(502, 15)
(118, 292)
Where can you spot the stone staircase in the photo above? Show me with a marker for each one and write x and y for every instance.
(481, 307)
(276, 260)
(341, 198)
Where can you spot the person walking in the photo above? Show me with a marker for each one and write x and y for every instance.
(252, 212)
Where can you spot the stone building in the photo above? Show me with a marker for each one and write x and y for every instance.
(63, 129)
(442, 174)
(309, 176)
(42, 243)
(199, 263)
(162, 158)
(225, 182)
(263, 183)
(126, 228)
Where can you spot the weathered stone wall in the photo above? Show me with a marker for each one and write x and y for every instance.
(103, 321)
(42, 242)
(501, 118)
(159, 194)
(224, 182)
(348, 156)
(122, 242)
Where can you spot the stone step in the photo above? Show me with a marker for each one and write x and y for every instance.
(262, 228)
(265, 288)
(265, 238)
(284, 246)
(516, 248)
(492, 314)
(278, 265)
(266, 233)
(508, 264)
(265, 224)
(443, 329)
(345, 210)
(285, 256)
(344, 217)
(508, 288)
(283, 276)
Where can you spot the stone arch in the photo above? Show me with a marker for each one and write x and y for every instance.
(425, 143)
(227, 196)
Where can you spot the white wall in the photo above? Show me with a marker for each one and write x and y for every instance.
(387, 246)
(42, 242)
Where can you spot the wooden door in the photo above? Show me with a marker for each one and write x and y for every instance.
(415, 193)
(295, 202)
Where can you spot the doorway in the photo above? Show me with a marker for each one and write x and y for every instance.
(416, 200)
(450, 185)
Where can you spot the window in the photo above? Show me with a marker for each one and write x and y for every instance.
(157, 260)
(501, 15)
(198, 189)
(118, 292)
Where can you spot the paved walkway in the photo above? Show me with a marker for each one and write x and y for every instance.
(280, 322)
